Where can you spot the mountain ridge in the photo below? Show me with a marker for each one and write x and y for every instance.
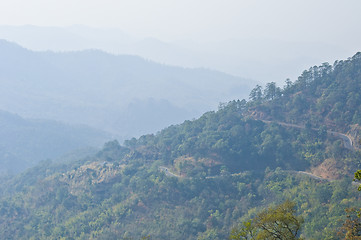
(95, 88)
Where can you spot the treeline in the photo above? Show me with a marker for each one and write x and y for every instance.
(326, 95)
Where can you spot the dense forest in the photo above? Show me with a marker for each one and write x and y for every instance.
(209, 178)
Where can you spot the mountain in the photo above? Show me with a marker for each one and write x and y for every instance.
(262, 59)
(98, 89)
(25, 142)
(198, 179)
(72, 38)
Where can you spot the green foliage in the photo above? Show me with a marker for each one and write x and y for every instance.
(246, 231)
(228, 168)
(256, 94)
(358, 177)
(351, 228)
(278, 222)
(325, 95)
(109, 203)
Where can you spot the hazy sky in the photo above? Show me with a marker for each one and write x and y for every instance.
(331, 21)
(269, 40)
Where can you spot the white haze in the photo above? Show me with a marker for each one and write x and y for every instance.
(264, 40)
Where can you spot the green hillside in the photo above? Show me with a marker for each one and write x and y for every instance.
(198, 179)
(327, 95)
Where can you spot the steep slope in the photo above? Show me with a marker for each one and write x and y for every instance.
(226, 164)
(95, 88)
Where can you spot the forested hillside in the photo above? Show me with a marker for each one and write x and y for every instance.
(326, 95)
(198, 179)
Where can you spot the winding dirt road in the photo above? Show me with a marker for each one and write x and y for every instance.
(347, 141)
(168, 173)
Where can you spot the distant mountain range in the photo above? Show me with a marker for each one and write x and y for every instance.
(261, 59)
(122, 94)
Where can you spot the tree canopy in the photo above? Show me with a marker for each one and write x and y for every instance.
(279, 222)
